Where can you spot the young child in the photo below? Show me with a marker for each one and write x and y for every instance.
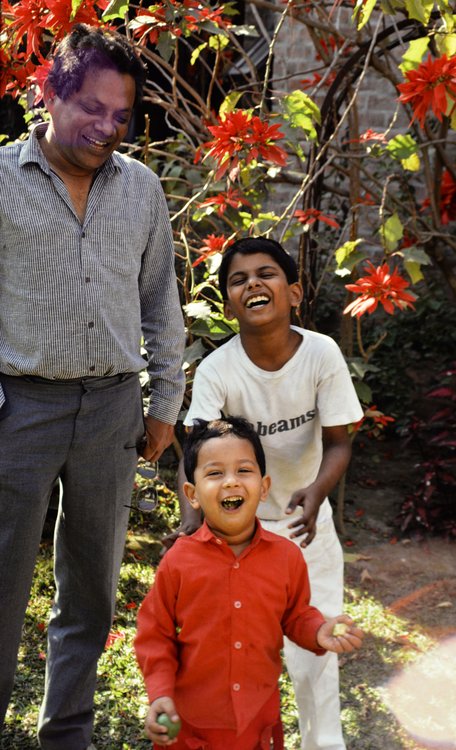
(294, 387)
(211, 628)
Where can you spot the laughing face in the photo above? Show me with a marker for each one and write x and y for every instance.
(259, 292)
(88, 126)
(228, 487)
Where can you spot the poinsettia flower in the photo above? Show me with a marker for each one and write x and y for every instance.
(38, 79)
(212, 245)
(370, 135)
(27, 17)
(16, 74)
(380, 285)
(447, 203)
(447, 198)
(309, 216)
(310, 83)
(243, 136)
(61, 17)
(379, 419)
(231, 197)
(428, 85)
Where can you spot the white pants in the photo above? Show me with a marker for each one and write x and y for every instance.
(316, 678)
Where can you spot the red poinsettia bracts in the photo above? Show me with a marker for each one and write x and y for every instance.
(242, 136)
(310, 215)
(447, 203)
(447, 198)
(380, 285)
(168, 17)
(27, 21)
(428, 87)
(231, 197)
(212, 245)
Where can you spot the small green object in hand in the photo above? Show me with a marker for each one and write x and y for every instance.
(340, 628)
(173, 727)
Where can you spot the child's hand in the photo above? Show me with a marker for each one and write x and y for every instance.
(340, 634)
(156, 732)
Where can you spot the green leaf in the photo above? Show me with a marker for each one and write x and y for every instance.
(344, 251)
(414, 257)
(229, 103)
(413, 163)
(213, 328)
(402, 146)
(353, 261)
(414, 271)
(196, 53)
(420, 10)
(218, 41)
(414, 53)
(362, 12)
(165, 45)
(391, 232)
(116, 9)
(446, 44)
(302, 112)
(363, 392)
(193, 353)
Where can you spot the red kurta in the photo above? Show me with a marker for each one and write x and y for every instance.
(211, 628)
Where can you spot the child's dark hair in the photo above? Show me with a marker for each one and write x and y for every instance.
(250, 246)
(88, 47)
(219, 428)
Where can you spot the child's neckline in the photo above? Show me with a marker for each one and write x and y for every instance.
(268, 355)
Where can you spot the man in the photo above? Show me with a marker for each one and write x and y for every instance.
(86, 268)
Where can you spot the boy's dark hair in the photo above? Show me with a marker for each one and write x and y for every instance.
(218, 428)
(87, 47)
(250, 246)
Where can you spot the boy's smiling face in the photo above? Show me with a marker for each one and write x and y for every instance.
(258, 291)
(228, 487)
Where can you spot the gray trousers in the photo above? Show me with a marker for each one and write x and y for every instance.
(86, 434)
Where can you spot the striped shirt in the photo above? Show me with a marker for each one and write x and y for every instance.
(77, 298)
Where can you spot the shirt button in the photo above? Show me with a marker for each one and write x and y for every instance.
(218, 541)
(83, 234)
(87, 279)
(91, 369)
(91, 324)
(236, 565)
(238, 645)
(238, 605)
(236, 686)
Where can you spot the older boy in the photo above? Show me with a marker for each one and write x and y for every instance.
(293, 385)
(210, 630)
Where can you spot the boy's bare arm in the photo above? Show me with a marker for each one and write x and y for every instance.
(191, 519)
(336, 457)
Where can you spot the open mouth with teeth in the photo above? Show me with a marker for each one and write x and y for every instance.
(95, 144)
(232, 503)
(258, 301)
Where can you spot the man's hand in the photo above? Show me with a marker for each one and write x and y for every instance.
(159, 436)
(157, 732)
(306, 524)
(340, 634)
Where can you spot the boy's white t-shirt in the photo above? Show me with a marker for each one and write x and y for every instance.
(287, 407)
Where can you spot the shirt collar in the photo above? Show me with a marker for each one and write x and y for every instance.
(204, 534)
(32, 153)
